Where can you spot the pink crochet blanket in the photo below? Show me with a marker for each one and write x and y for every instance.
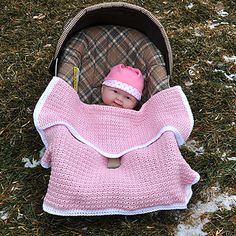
(80, 137)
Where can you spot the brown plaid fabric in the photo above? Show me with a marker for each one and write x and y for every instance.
(97, 49)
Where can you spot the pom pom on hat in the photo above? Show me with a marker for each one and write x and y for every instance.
(126, 78)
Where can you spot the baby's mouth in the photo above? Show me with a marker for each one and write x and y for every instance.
(114, 104)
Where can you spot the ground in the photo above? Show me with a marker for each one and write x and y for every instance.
(202, 35)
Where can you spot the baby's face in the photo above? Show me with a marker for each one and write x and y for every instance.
(118, 98)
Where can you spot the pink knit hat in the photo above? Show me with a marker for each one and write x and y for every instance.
(126, 78)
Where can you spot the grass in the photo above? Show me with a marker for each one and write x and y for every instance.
(27, 46)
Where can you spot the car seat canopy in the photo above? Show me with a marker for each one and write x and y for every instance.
(122, 14)
(95, 50)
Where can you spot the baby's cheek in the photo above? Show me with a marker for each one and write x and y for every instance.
(130, 104)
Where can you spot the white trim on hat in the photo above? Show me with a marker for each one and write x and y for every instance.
(123, 86)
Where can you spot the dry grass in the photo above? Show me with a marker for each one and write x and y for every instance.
(27, 46)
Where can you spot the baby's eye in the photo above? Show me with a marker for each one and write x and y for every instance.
(128, 97)
(115, 91)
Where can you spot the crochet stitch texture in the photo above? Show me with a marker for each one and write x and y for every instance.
(79, 137)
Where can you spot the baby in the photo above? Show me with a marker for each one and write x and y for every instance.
(122, 88)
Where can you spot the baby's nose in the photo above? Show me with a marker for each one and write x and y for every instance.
(119, 99)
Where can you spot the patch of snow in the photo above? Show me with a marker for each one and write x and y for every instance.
(30, 163)
(223, 201)
(193, 146)
(29, 110)
(226, 201)
(213, 25)
(225, 156)
(19, 216)
(188, 83)
(4, 215)
(230, 77)
(230, 59)
(39, 17)
(84, 228)
(209, 62)
(222, 13)
(189, 6)
(198, 32)
(191, 230)
(192, 70)
(228, 86)
(42, 151)
(47, 45)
